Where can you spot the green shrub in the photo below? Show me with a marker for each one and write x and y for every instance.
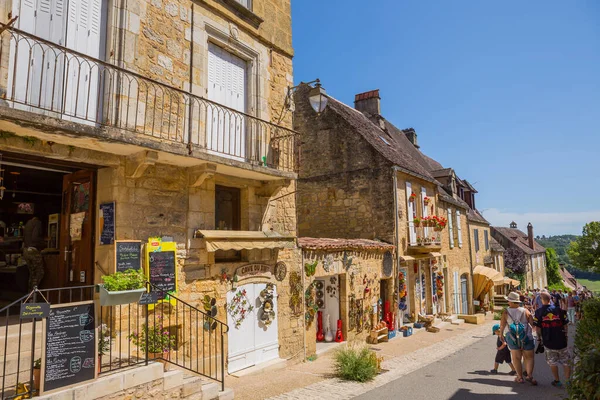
(498, 315)
(356, 364)
(128, 280)
(558, 286)
(585, 382)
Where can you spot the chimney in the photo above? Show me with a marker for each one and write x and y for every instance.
(368, 102)
(530, 235)
(411, 135)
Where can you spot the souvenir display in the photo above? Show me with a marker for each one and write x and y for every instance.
(295, 293)
(267, 307)
(239, 308)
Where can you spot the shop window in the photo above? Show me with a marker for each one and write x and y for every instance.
(227, 208)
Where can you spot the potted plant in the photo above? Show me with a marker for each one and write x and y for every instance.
(417, 221)
(156, 339)
(103, 343)
(426, 200)
(419, 240)
(413, 196)
(37, 368)
(122, 287)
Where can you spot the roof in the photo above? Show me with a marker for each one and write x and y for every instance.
(475, 216)
(452, 200)
(439, 173)
(519, 239)
(569, 279)
(469, 186)
(496, 246)
(398, 149)
(309, 243)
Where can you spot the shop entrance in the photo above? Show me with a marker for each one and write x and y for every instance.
(327, 296)
(463, 294)
(46, 224)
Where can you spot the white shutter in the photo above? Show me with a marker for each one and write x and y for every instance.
(458, 228)
(19, 51)
(410, 215)
(424, 208)
(450, 228)
(226, 131)
(456, 294)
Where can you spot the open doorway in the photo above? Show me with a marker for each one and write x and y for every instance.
(46, 225)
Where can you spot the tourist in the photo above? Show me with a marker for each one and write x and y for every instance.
(571, 307)
(502, 353)
(33, 243)
(551, 326)
(556, 298)
(515, 325)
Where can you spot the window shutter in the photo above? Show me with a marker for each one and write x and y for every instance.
(425, 211)
(487, 239)
(476, 237)
(410, 215)
(458, 228)
(450, 228)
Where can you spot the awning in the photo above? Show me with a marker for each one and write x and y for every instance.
(406, 258)
(483, 280)
(510, 281)
(435, 254)
(244, 240)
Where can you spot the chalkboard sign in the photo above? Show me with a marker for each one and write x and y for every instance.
(128, 255)
(149, 298)
(70, 345)
(107, 223)
(34, 310)
(162, 270)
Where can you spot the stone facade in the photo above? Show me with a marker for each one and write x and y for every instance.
(483, 254)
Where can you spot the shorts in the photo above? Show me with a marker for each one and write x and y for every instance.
(527, 344)
(556, 357)
(503, 356)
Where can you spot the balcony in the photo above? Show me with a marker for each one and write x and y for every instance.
(120, 106)
(423, 239)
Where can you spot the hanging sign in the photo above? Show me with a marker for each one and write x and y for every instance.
(107, 223)
(34, 310)
(70, 353)
(128, 255)
(254, 271)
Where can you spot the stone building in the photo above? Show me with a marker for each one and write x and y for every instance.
(361, 177)
(173, 111)
(534, 253)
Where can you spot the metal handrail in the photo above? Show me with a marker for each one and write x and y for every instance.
(53, 78)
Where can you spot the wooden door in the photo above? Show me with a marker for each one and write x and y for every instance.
(77, 229)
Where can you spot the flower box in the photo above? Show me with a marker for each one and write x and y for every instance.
(121, 297)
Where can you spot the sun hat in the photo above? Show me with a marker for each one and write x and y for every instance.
(513, 297)
(495, 328)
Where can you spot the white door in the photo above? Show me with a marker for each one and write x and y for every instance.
(251, 342)
(410, 215)
(226, 130)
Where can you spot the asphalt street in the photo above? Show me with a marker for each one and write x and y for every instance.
(465, 375)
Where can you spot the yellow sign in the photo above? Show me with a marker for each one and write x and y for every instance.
(161, 269)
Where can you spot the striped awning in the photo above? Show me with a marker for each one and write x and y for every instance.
(244, 240)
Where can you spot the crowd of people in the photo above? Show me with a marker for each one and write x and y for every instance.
(534, 322)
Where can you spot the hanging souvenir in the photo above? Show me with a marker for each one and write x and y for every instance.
(295, 293)
(239, 307)
(328, 263)
(311, 306)
(310, 269)
(267, 306)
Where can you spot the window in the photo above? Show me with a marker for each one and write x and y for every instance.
(384, 140)
(458, 228)
(245, 3)
(227, 208)
(450, 228)
(476, 237)
(487, 239)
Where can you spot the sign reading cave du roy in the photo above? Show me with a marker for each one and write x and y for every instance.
(254, 271)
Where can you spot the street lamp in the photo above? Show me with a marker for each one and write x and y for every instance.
(318, 98)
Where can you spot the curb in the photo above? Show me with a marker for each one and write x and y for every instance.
(396, 367)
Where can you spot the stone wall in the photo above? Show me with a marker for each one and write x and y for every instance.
(481, 256)
(359, 279)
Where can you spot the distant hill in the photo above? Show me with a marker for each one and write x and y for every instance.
(560, 243)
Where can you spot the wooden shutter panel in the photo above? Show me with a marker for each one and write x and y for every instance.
(458, 228)
(410, 215)
(487, 239)
(476, 237)
(450, 228)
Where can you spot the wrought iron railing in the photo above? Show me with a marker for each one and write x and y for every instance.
(196, 338)
(423, 236)
(42, 76)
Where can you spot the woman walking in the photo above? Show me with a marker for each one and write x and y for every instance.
(571, 303)
(515, 324)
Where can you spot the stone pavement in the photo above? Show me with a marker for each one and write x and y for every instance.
(314, 380)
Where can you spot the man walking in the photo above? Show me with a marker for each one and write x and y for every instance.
(551, 327)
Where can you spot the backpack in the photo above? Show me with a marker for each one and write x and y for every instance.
(517, 332)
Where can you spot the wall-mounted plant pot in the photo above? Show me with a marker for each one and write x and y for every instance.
(118, 298)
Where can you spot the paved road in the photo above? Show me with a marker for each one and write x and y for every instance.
(465, 375)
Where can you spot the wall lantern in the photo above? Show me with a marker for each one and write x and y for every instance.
(318, 98)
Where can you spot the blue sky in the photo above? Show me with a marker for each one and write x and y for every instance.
(505, 92)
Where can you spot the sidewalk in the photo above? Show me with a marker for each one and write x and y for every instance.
(314, 380)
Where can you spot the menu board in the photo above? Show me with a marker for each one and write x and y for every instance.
(128, 255)
(162, 270)
(107, 223)
(70, 345)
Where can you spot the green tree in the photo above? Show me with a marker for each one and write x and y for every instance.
(585, 251)
(552, 273)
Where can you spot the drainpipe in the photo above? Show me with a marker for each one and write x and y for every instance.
(190, 119)
(303, 303)
(396, 243)
(471, 308)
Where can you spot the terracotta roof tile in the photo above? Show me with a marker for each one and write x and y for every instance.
(309, 243)
(367, 95)
(519, 239)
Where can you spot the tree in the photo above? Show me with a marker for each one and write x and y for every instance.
(552, 268)
(585, 251)
(515, 263)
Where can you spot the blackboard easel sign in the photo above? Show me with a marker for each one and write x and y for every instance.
(70, 352)
(161, 267)
(107, 223)
(128, 255)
